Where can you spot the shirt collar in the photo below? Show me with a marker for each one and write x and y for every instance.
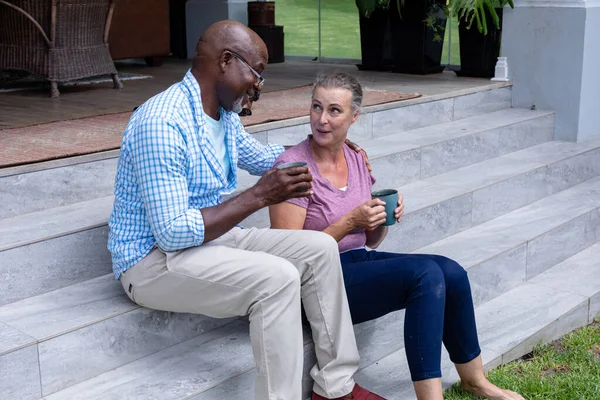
(193, 91)
(192, 88)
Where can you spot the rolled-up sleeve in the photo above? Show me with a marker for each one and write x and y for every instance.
(159, 155)
(253, 156)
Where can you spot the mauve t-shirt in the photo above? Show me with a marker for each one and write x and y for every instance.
(328, 203)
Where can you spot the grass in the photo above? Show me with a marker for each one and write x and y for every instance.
(567, 369)
(340, 33)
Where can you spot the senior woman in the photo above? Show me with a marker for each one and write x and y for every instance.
(434, 290)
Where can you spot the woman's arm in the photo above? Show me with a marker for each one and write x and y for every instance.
(376, 236)
(287, 216)
(290, 216)
(368, 215)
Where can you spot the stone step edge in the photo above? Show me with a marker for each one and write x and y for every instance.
(45, 215)
(103, 221)
(387, 106)
(501, 358)
(492, 363)
(73, 160)
(531, 116)
(504, 351)
(135, 307)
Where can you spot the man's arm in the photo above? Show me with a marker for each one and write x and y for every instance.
(158, 154)
(274, 187)
(159, 158)
(253, 156)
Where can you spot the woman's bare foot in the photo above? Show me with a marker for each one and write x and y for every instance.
(488, 390)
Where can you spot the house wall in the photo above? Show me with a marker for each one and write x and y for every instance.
(589, 111)
(553, 50)
(200, 14)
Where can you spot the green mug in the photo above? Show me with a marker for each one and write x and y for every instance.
(390, 197)
(292, 164)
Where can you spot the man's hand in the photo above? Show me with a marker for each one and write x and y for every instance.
(279, 185)
(369, 215)
(358, 149)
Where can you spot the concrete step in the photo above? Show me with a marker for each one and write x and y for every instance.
(174, 373)
(502, 253)
(391, 118)
(446, 204)
(73, 236)
(50, 249)
(218, 365)
(65, 181)
(552, 304)
(498, 255)
(453, 145)
(411, 157)
(375, 339)
(402, 157)
(35, 187)
(61, 331)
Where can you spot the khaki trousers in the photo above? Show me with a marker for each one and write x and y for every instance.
(263, 273)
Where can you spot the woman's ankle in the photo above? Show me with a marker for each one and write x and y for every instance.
(429, 389)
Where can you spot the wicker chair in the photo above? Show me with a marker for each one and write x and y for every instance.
(60, 40)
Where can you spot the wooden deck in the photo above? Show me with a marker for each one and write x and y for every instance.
(33, 107)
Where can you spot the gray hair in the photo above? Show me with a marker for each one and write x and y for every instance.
(340, 80)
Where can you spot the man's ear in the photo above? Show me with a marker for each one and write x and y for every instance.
(225, 59)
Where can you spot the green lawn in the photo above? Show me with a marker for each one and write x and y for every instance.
(568, 369)
(340, 34)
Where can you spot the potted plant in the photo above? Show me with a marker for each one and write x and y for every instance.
(261, 13)
(402, 36)
(375, 35)
(479, 44)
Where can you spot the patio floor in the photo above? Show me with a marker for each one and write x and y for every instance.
(33, 107)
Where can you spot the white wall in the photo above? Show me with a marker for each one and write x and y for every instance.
(589, 117)
(200, 14)
(553, 50)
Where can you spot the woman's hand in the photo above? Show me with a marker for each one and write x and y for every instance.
(399, 211)
(369, 215)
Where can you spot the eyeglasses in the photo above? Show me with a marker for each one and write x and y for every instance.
(261, 80)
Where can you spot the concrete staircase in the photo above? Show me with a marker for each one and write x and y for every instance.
(483, 183)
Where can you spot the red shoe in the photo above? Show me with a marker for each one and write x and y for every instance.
(358, 393)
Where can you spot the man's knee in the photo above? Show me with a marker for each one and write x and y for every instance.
(320, 242)
(284, 277)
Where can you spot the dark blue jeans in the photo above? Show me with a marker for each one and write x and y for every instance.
(436, 294)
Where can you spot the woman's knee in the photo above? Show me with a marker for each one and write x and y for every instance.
(455, 275)
(431, 274)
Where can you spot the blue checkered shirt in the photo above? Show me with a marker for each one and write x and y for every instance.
(168, 171)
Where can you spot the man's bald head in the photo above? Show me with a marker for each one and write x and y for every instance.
(229, 58)
(229, 35)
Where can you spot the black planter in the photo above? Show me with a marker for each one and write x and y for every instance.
(417, 48)
(177, 28)
(479, 52)
(402, 42)
(375, 41)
